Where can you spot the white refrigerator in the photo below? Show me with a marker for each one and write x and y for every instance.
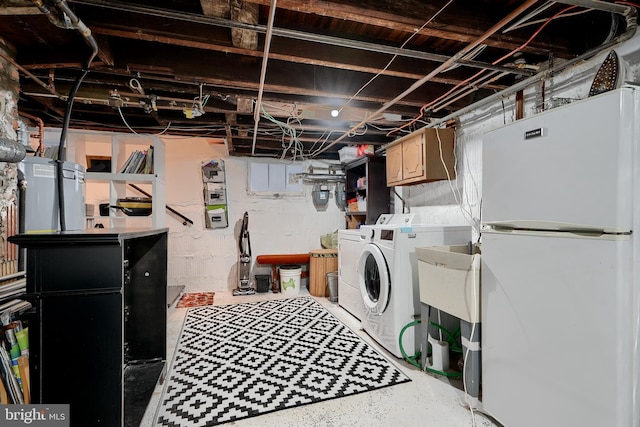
(560, 266)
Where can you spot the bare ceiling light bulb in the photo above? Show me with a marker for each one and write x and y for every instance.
(334, 113)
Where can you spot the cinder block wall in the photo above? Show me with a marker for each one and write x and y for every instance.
(206, 259)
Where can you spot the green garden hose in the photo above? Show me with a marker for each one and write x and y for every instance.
(414, 359)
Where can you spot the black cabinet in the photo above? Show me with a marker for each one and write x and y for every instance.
(98, 341)
(366, 178)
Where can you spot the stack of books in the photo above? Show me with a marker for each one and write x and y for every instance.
(14, 365)
(14, 343)
(139, 161)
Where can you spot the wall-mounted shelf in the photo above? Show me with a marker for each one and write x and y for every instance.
(376, 194)
(108, 187)
(215, 194)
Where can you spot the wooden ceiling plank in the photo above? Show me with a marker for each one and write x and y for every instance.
(239, 11)
(274, 55)
(466, 34)
(246, 13)
(219, 8)
(104, 50)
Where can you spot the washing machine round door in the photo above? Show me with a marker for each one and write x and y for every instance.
(375, 283)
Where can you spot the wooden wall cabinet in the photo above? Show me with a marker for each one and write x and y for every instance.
(423, 156)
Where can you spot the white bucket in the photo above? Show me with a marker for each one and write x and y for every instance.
(290, 279)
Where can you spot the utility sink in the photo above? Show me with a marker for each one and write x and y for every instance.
(449, 278)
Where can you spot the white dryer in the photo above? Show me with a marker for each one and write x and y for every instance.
(388, 276)
(350, 244)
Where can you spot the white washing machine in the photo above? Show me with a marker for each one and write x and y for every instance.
(388, 276)
(350, 244)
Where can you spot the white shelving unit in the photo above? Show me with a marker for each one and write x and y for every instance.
(109, 186)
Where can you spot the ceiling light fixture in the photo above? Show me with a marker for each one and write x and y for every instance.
(335, 113)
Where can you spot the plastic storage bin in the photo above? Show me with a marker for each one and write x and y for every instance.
(290, 279)
(263, 282)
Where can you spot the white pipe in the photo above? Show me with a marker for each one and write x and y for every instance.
(504, 21)
(628, 12)
(263, 73)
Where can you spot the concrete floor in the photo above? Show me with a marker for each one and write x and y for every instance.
(425, 401)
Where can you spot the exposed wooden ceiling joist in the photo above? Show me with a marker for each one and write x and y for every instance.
(355, 55)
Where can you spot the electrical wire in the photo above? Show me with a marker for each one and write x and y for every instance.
(523, 25)
(288, 131)
(445, 96)
(628, 3)
(476, 193)
(125, 121)
(385, 68)
(456, 192)
(404, 203)
(466, 354)
(396, 55)
(131, 129)
(497, 61)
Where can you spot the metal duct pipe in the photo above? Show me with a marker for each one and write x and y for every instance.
(52, 16)
(320, 177)
(628, 12)
(11, 151)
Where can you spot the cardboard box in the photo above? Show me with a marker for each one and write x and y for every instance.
(354, 221)
(449, 279)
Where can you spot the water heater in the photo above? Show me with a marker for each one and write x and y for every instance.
(39, 195)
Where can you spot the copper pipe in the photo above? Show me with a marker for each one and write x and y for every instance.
(519, 104)
(452, 60)
(40, 148)
(627, 12)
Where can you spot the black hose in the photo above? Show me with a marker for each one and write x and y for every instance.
(61, 153)
(90, 40)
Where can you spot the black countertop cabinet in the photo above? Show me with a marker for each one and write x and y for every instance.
(98, 336)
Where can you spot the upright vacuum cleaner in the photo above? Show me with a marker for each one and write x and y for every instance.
(244, 261)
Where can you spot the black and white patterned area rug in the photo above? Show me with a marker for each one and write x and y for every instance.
(239, 361)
